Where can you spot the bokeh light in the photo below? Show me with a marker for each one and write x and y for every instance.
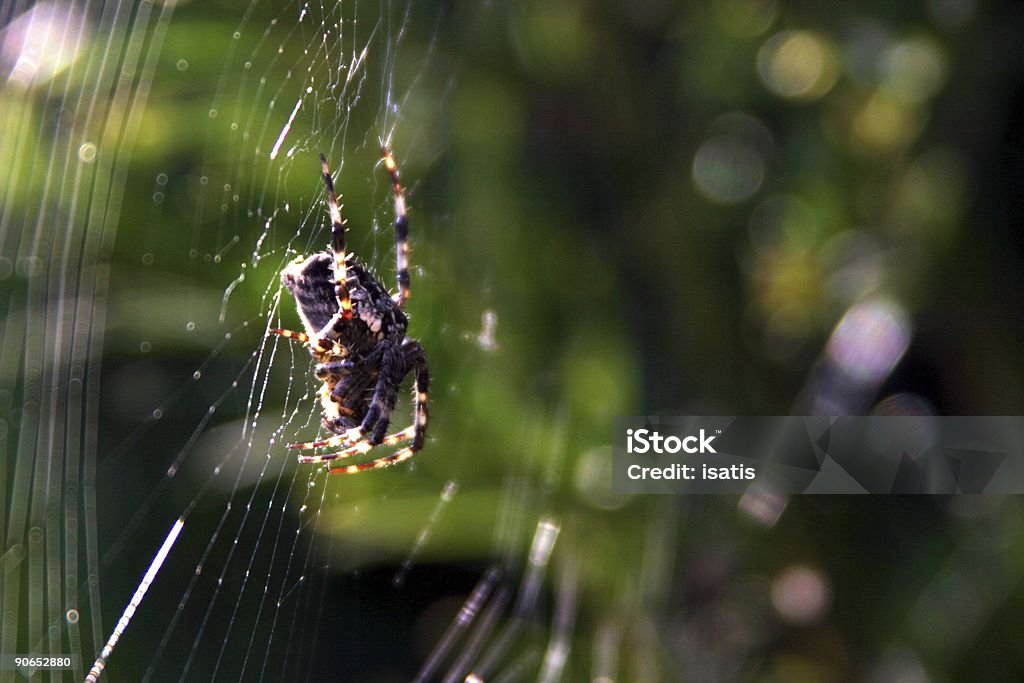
(730, 165)
(40, 43)
(728, 170)
(885, 124)
(914, 69)
(801, 595)
(763, 505)
(799, 65)
(593, 479)
(869, 340)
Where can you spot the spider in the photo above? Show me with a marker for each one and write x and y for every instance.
(355, 331)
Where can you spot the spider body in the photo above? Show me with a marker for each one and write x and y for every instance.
(375, 315)
(356, 333)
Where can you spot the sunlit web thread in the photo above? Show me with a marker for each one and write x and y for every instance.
(314, 602)
(511, 518)
(253, 627)
(286, 129)
(562, 624)
(198, 572)
(248, 569)
(253, 408)
(463, 619)
(143, 511)
(543, 544)
(606, 650)
(133, 604)
(62, 312)
(286, 591)
(252, 558)
(451, 487)
(478, 637)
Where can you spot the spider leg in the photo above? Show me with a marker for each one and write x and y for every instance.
(319, 342)
(337, 246)
(389, 376)
(395, 458)
(358, 448)
(346, 439)
(289, 334)
(335, 367)
(416, 358)
(349, 392)
(401, 230)
(344, 393)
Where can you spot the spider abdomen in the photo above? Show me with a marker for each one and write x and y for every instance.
(375, 315)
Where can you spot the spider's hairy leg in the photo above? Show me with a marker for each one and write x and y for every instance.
(358, 448)
(416, 358)
(337, 242)
(391, 373)
(319, 343)
(289, 334)
(337, 400)
(330, 442)
(345, 439)
(391, 370)
(412, 358)
(349, 389)
(401, 229)
(334, 367)
(395, 458)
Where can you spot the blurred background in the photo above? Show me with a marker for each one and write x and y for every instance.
(734, 207)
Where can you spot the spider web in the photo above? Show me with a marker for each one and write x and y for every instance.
(309, 79)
